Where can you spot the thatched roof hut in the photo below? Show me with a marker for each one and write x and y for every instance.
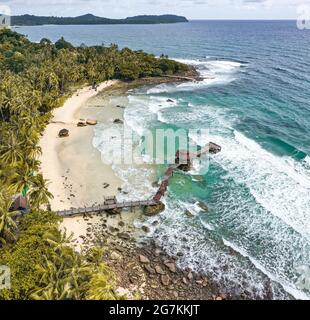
(19, 204)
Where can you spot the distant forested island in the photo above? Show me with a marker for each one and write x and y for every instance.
(31, 20)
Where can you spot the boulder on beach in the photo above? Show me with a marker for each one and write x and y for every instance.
(143, 259)
(91, 122)
(113, 211)
(154, 209)
(63, 133)
(81, 124)
(118, 121)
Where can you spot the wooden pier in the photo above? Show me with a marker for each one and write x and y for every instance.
(107, 207)
(183, 160)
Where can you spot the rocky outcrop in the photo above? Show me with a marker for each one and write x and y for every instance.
(203, 206)
(144, 259)
(154, 209)
(114, 211)
(185, 167)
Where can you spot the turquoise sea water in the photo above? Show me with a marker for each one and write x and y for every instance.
(254, 100)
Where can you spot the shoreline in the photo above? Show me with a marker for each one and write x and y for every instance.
(71, 164)
(143, 270)
(67, 163)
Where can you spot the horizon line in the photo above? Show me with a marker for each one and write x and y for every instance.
(190, 19)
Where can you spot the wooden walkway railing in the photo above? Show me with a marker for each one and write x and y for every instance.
(210, 148)
(100, 208)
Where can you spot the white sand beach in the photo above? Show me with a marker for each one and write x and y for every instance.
(76, 174)
(72, 166)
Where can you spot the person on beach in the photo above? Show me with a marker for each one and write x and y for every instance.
(95, 85)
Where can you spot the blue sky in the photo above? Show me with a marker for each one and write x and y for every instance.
(193, 9)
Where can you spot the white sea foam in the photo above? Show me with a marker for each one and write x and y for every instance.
(280, 185)
(288, 287)
(307, 161)
(213, 72)
(143, 110)
(279, 217)
(202, 253)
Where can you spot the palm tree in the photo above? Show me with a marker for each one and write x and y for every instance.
(11, 149)
(101, 285)
(38, 193)
(61, 275)
(7, 223)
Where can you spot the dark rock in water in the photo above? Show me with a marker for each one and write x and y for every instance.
(118, 121)
(203, 206)
(146, 229)
(170, 100)
(155, 209)
(64, 133)
(155, 223)
(188, 214)
(185, 167)
(198, 178)
(214, 148)
(155, 184)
